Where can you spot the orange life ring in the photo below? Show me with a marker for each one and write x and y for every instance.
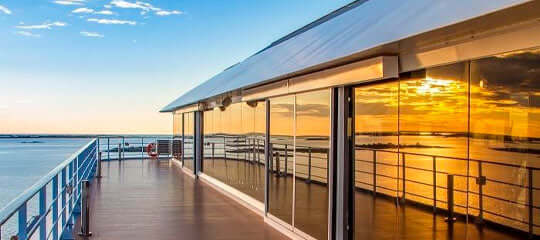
(149, 150)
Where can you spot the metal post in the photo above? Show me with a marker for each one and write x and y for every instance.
(123, 144)
(98, 172)
(119, 152)
(42, 213)
(328, 167)
(480, 194)
(69, 190)
(267, 155)
(374, 172)
(308, 180)
(271, 157)
(254, 151)
(98, 148)
(108, 149)
(343, 147)
(434, 184)
(22, 221)
(258, 149)
(278, 167)
(55, 207)
(531, 203)
(246, 158)
(213, 155)
(450, 198)
(286, 159)
(224, 148)
(403, 173)
(85, 213)
(64, 195)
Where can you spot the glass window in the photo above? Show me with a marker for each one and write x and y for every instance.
(312, 145)
(209, 147)
(177, 135)
(280, 165)
(376, 160)
(505, 129)
(177, 125)
(231, 148)
(189, 146)
(433, 122)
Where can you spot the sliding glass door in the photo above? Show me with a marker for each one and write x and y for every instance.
(441, 147)
(298, 169)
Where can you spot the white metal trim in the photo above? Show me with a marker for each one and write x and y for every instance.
(377, 68)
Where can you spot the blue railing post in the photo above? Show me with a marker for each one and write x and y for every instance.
(63, 205)
(55, 207)
(70, 187)
(22, 221)
(42, 213)
(80, 166)
(75, 185)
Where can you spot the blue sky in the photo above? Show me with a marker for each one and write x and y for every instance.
(108, 66)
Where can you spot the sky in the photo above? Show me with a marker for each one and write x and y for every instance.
(109, 66)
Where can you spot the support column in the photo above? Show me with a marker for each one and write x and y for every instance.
(267, 156)
(342, 162)
(198, 142)
(183, 140)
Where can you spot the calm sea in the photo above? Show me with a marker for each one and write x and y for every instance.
(23, 161)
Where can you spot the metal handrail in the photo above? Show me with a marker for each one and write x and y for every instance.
(238, 148)
(401, 164)
(71, 172)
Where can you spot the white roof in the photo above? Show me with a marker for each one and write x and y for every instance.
(360, 26)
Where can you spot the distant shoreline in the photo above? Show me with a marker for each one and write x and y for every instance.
(6, 136)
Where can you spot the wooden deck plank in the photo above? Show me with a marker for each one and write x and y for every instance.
(156, 200)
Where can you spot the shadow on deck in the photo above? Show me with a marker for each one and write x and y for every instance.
(155, 200)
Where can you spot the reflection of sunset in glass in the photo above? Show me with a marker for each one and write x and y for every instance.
(313, 113)
(493, 100)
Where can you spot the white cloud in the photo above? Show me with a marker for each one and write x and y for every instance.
(69, 2)
(83, 10)
(92, 34)
(28, 34)
(144, 6)
(167, 13)
(5, 10)
(137, 5)
(105, 12)
(43, 26)
(112, 21)
(92, 11)
(107, 6)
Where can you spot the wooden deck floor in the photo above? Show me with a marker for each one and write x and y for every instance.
(156, 200)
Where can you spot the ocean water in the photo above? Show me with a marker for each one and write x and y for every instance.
(23, 161)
